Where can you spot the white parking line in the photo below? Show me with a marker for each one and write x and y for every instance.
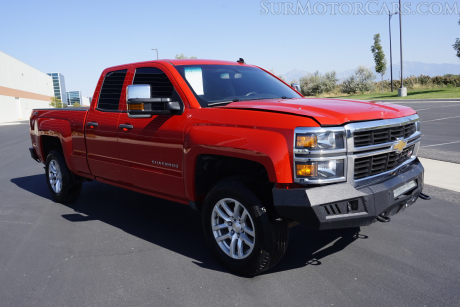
(432, 120)
(455, 105)
(441, 144)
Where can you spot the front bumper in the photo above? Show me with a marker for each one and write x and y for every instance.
(342, 205)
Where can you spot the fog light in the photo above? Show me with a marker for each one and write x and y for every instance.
(321, 170)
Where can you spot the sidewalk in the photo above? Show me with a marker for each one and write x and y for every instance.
(18, 122)
(442, 174)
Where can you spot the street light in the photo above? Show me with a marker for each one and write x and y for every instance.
(402, 91)
(157, 52)
(391, 58)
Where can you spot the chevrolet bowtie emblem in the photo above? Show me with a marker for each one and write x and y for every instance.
(399, 145)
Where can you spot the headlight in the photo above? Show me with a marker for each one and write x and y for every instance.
(328, 140)
(320, 155)
(417, 125)
(320, 170)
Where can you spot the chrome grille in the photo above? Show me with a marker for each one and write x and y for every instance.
(380, 163)
(384, 135)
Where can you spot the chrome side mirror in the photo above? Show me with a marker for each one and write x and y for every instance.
(140, 103)
(296, 86)
(138, 91)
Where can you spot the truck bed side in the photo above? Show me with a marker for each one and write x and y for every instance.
(64, 128)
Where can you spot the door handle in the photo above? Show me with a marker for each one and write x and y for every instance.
(91, 125)
(125, 127)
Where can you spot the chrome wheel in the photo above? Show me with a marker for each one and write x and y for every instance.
(55, 176)
(233, 228)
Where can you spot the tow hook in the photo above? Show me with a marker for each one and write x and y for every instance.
(424, 196)
(383, 219)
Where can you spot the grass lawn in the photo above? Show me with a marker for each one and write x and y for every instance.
(453, 92)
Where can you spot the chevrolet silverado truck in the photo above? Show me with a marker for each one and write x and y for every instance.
(238, 144)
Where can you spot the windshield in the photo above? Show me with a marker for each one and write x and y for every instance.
(215, 85)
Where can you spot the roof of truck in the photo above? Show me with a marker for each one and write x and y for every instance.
(177, 62)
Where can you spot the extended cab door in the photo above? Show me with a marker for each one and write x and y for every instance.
(102, 126)
(151, 149)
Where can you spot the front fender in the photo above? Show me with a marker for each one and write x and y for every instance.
(272, 149)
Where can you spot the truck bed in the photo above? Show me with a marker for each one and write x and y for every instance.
(69, 125)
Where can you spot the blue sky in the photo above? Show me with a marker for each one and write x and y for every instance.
(81, 38)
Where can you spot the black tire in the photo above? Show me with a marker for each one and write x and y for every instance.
(271, 232)
(70, 189)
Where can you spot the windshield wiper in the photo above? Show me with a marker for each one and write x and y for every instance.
(237, 100)
(222, 102)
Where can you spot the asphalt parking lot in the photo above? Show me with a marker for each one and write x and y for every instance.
(440, 124)
(114, 247)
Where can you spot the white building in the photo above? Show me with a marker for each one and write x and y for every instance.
(86, 101)
(22, 88)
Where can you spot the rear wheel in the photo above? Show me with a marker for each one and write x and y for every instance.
(59, 179)
(240, 232)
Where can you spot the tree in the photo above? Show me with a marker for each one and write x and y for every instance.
(77, 105)
(56, 103)
(379, 57)
(182, 56)
(457, 45)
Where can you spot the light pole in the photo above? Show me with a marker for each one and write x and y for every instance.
(157, 52)
(391, 57)
(402, 91)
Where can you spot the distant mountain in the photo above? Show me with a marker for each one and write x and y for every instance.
(410, 68)
(419, 68)
(295, 74)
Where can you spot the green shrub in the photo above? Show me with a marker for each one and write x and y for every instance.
(316, 83)
(361, 81)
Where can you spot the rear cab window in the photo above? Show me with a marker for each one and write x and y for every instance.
(112, 87)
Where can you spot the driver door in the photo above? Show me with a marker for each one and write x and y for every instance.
(151, 149)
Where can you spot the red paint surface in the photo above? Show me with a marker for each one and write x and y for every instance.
(158, 156)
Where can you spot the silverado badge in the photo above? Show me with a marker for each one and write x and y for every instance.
(399, 145)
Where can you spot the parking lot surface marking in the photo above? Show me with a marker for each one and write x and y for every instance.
(433, 120)
(455, 105)
(441, 144)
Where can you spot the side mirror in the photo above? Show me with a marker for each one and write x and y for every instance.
(296, 86)
(140, 104)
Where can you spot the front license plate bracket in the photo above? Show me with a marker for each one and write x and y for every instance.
(404, 188)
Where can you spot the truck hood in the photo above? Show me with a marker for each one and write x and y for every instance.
(327, 112)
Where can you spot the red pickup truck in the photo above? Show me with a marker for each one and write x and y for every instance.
(238, 144)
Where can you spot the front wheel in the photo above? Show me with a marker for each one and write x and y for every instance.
(239, 230)
(59, 179)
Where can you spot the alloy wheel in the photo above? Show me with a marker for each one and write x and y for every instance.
(233, 228)
(55, 176)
